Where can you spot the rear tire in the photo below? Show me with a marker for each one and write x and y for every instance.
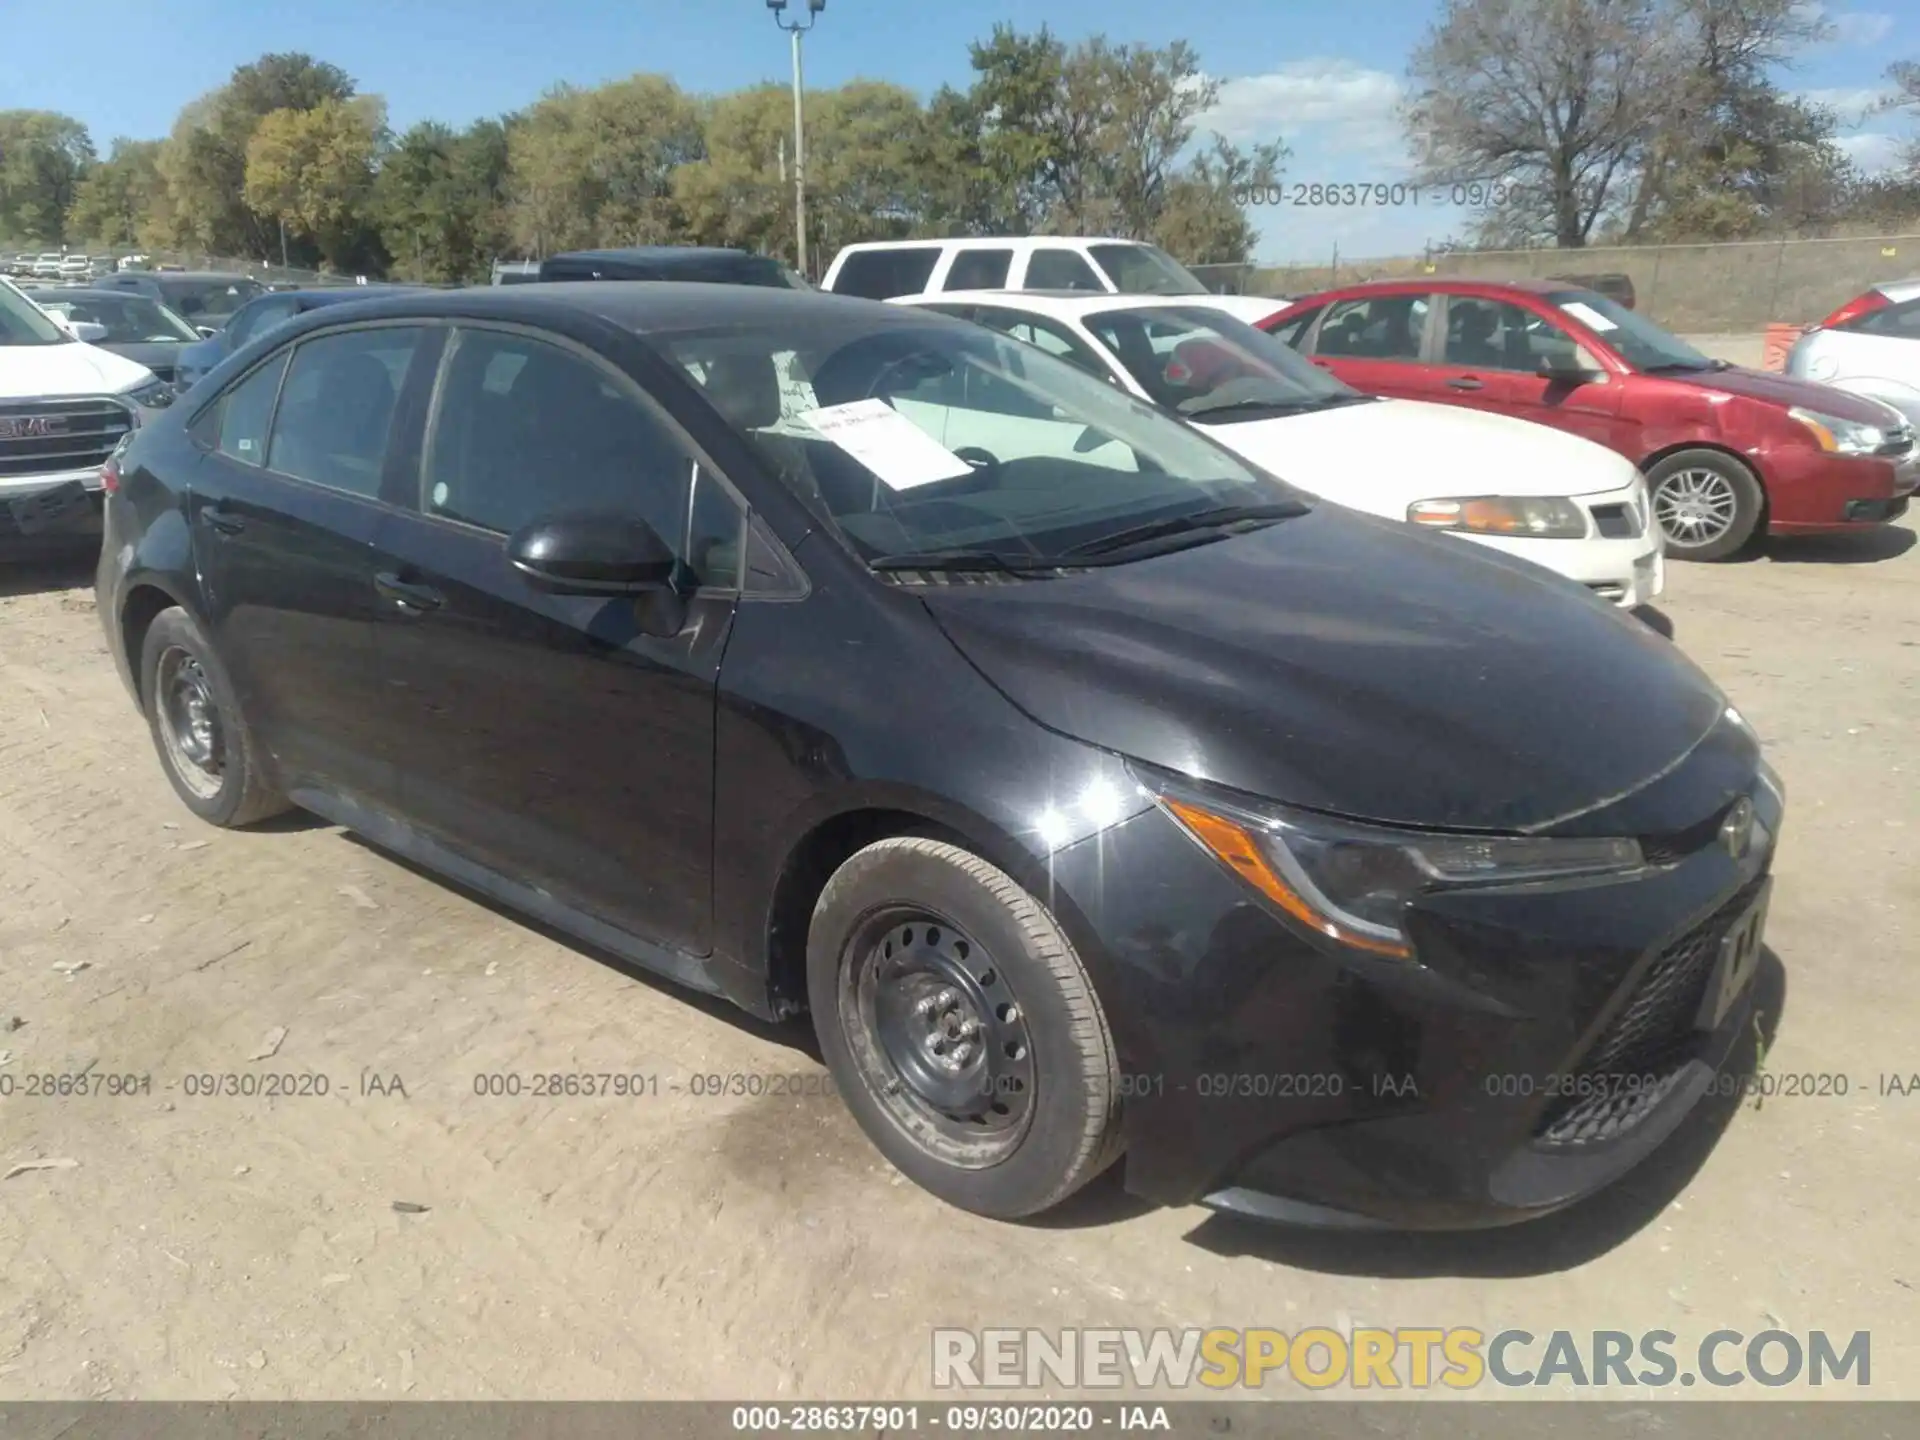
(1707, 503)
(194, 716)
(961, 1028)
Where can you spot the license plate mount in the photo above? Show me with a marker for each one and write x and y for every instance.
(47, 509)
(1739, 957)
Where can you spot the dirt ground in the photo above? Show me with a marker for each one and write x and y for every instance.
(676, 1244)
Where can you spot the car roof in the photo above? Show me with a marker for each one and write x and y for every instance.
(1900, 291)
(661, 306)
(79, 292)
(334, 294)
(1461, 283)
(657, 254)
(1060, 303)
(996, 242)
(218, 275)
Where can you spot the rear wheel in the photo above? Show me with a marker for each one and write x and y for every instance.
(961, 1028)
(1706, 503)
(194, 716)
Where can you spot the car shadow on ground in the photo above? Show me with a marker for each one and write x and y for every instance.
(1657, 621)
(1886, 542)
(38, 576)
(1561, 1241)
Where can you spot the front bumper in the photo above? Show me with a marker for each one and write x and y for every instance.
(1546, 1040)
(55, 515)
(1628, 566)
(1810, 492)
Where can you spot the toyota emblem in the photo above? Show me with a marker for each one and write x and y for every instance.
(1736, 831)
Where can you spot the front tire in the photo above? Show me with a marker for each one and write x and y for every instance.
(961, 1028)
(194, 716)
(1706, 503)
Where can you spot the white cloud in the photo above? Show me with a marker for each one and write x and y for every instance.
(1851, 103)
(1873, 150)
(1325, 110)
(1861, 27)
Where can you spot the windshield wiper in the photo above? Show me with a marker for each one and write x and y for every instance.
(959, 560)
(1683, 367)
(1219, 519)
(1235, 407)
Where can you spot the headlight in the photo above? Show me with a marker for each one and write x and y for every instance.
(154, 395)
(1351, 882)
(1840, 437)
(1542, 517)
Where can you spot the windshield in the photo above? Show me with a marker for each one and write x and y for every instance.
(917, 439)
(1197, 360)
(209, 302)
(24, 323)
(1640, 342)
(1145, 270)
(130, 319)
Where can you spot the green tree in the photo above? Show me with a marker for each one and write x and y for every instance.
(122, 197)
(438, 200)
(44, 156)
(313, 170)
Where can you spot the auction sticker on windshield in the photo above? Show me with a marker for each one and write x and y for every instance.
(1588, 316)
(887, 443)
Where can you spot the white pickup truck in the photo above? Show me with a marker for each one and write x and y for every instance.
(64, 405)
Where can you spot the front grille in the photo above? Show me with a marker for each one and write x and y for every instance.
(1898, 444)
(1638, 1057)
(1616, 522)
(42, 437)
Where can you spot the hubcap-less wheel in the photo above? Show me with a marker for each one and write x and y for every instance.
(1695, 507)
(946, 1049)
(190, 722)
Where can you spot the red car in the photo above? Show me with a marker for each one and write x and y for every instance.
(1729, 453)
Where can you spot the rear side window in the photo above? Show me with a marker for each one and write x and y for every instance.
(241, 416)
(979, 269)
(1294, 332)
(1057, 269)
(883, 274)
(337, 405)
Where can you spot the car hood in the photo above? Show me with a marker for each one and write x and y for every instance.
(1788, 390)
(45, 372)
(1382, 456)
(1348, 664)
(151, 353)
(1250, 308)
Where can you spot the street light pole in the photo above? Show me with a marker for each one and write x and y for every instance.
(796, 29)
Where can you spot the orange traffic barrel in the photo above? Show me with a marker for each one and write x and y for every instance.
(1779, 340)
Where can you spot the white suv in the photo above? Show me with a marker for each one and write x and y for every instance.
(64, 407)
(889, 269)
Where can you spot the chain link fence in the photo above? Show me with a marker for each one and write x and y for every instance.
(1717, 287)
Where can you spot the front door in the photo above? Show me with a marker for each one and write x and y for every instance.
(284, 507)
(1514, 360)
(563, 741)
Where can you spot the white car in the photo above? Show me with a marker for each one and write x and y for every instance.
(65, 405)
(1575, 507)
(890, 269)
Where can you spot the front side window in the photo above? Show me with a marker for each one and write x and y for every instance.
(1057, 269)
(918, 438)
(1202, 362)
(1145, 270)
(1379, 327)
(337, 406)
(1294, 331)
(1640, 342)
(528, 430)
(1498, 335)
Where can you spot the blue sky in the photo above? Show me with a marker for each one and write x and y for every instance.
(1315, 75)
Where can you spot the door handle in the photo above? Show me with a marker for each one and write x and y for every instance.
(1466, 382)
(225, 521)
(1324, 364)
(413, 598)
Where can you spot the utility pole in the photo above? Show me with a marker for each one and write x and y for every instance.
(796, 29)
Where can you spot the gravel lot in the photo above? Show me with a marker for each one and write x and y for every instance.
(680, 1245)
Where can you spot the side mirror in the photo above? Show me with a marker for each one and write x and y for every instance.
(207, 332)
(593, 555)
(91, 332)
(1566, 368)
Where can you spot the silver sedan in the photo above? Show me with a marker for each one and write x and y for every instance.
(1870, 345)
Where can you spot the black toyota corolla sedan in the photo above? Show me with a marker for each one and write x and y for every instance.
(1097, 794)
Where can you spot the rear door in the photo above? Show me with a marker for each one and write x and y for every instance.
(1380, 343)
(1492, 358)
(284, 507)
(563, 741)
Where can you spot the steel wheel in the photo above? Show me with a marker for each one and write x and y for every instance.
(1695, 507)
(940, 1035)
(189, 719)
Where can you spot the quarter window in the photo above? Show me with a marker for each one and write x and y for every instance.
(337, 406)
(526, 430)
(242, 415)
